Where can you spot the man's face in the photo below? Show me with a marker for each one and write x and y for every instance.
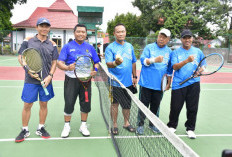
(187, 41)
(43, 29)
(120, 33)
(162, 40)
(80, 34)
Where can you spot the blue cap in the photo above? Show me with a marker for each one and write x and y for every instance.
(42, 20)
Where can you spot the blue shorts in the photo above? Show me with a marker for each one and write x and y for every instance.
(31, 91)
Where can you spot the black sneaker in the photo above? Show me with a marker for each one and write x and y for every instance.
(22, 135)
(43, 133)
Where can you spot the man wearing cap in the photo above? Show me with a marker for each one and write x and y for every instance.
(155, 61)
(184, 61)
(32, 87)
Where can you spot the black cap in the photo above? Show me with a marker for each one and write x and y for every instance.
(98, 43)
(186, 32)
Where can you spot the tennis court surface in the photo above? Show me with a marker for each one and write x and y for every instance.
(213, 130)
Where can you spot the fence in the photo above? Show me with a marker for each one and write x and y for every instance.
(10, 43)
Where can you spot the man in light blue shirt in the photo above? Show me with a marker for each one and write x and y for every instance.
(121, 62)
(155, 61)
(184, 61)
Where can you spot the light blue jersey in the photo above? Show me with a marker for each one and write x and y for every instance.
(151, 75)
(123, 72)
(187, 70)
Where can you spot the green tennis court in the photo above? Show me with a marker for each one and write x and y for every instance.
(214, 127)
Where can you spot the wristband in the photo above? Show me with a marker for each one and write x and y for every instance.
(96, 69)
(114, 64)
(152, 60)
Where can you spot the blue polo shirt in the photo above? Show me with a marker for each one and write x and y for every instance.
(151, 75)
(72, 50)
(123, 72)
(187, 70)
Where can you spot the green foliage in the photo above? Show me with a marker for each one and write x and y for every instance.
(132, 23)
(5, 14)
(181, 14)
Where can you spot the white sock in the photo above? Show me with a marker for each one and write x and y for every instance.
(67, 123)
(25, 128)
(40, 126)
(83, 123)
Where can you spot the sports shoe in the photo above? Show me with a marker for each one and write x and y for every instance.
(22, 135)
(154, 129)
(84, 130)
(140, 130)
(191, 134)
(66, 131)
(173, 130)
(42, 132)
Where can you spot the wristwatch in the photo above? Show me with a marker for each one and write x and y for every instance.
(51, 75)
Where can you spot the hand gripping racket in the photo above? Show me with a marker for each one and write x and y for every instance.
(164, 82)
(33, 63)
(84, 67)
(209, 64)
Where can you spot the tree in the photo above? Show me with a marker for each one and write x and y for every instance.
(5, 14)
(132, 23)
(196, 15)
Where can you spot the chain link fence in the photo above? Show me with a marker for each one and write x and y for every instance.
(10, 42)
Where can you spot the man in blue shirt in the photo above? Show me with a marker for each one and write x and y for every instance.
(184, 61)
(121, 62)
(72, 86)
(155, 61)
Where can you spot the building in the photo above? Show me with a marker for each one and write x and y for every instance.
(62, 21)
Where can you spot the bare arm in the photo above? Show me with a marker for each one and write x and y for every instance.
(158, 59)
(48, 79)
(177, 66)
(62, 66)
(134, 74)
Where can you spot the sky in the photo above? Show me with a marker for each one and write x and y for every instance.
(111, 8)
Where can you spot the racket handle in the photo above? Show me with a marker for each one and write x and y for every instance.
(185, 80)
(86, 96)
(46, 91)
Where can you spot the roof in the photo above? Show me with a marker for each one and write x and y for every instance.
(59, 14)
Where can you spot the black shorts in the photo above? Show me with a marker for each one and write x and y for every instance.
(73, 88)
(121, 96)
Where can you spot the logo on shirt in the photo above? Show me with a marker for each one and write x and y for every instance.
(87, 50)
(71, 50)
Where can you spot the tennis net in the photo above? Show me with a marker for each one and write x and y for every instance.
(130, 144)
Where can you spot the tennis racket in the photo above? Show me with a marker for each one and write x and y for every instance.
(209, 64)
(84, 67)
(164, 82)
(33, 63)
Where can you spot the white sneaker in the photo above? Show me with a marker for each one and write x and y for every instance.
(66, 131)
(191, 134)
(173, 130)
(84, 130)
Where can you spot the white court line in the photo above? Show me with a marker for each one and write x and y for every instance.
(8, 59)
(58, 138)
(108, 137)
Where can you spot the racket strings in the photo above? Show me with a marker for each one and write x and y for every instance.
(213, 63)
(84, 67)
(33, 60)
